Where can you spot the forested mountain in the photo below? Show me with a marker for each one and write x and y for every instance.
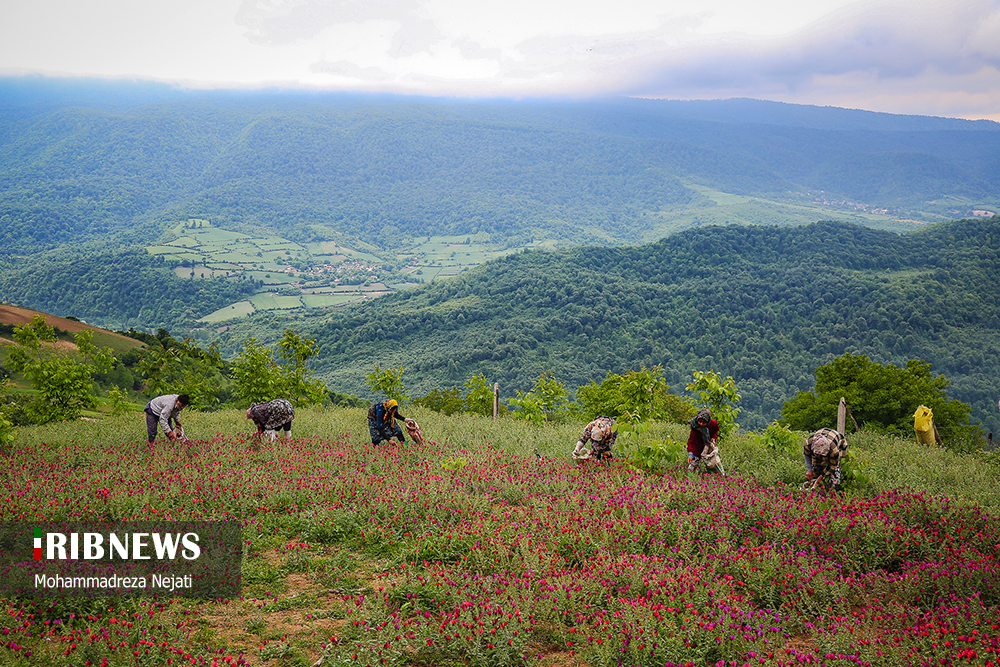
(93, 174)
(765, 305)
(384, 170)
(115, 286)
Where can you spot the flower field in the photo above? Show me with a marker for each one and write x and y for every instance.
(472, 550)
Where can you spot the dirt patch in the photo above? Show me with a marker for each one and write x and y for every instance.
(268, 632)
(801, 644)
(558, 658)
(15, 315)
(301, 622)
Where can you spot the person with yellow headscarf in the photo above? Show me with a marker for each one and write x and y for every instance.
(383, 421)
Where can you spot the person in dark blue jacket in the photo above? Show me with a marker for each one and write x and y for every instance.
(382, 421)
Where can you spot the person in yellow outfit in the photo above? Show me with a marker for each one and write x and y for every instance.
(925, 428)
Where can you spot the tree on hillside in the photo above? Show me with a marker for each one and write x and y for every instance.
(446, 401)
(388, 382)
(259, 377)
(479, 395)
(636, 396)
(720, 396)
(881, 397)
(6, 425)
(181, 367)
(547, 401)
(63, 379)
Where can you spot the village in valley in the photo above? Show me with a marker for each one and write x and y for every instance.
(320, 274)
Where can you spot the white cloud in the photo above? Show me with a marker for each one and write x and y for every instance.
(905, 56)
(923, 56)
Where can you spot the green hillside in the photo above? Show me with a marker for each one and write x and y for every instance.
(385, 171)
(93, 172)
(115, 287)
(765, 305)
(199, 211)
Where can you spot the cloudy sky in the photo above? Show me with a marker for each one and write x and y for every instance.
(928, 57)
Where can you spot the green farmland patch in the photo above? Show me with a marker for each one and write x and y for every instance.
(201, 271)
(209, 252)
(238, 309)
(325, 300)
(269, 301)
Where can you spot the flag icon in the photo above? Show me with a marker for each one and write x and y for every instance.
(38, 544)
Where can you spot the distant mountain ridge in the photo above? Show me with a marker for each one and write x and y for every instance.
(79, 164)
(762, 112)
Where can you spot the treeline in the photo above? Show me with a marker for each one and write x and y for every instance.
(119, 287)
(765, 305)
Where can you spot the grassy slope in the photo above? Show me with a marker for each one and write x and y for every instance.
(102, 338)
(471, 551)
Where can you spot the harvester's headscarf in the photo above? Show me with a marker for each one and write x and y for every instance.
(820, 444)
(704, 415)
(390, 407)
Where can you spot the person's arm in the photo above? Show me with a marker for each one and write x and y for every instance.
(582, 441)
(809, 466)
(807, 456)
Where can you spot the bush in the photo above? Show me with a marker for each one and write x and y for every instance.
(721, 397)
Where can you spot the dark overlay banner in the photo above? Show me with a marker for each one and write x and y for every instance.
(120, 558)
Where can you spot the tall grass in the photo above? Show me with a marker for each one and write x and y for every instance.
(886, 462)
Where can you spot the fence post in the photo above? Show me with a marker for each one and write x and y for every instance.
(496, 399)
(842, 416)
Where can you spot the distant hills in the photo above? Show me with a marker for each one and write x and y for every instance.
(100, 180)
(385, 171)
(93, 172)
(765, 305)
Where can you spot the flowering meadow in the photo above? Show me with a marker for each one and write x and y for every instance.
(489, 546)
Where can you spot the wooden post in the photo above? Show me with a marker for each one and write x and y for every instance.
(496, 400)
(842, 416)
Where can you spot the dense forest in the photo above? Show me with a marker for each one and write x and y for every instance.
(764, 305)
(383, 170)
(115, 287)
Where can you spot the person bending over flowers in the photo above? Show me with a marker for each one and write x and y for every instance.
(382, 421)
